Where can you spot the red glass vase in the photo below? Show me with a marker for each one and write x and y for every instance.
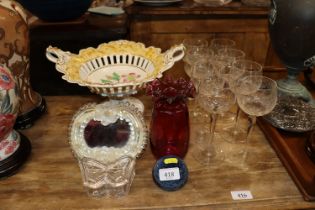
(169, 134)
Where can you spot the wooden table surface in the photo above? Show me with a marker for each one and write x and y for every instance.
(51, 178)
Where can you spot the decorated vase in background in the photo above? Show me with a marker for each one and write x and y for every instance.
(15, 148)
(169, 130)
(9, 103)
(14, 55)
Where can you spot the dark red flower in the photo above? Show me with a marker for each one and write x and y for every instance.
(11, 148)
(6, 124)
(3, 144)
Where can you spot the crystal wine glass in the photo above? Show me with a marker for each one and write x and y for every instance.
(231, 54)
(239, 70)
(194, 46)
(249, 68)
(256, 102)
(195, 42)
(194, 55)
(221, 43)
(226, 57)
(197, 50)
(203, 68)
(215, 99)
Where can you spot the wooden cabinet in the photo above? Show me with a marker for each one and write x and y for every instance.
(166, 26)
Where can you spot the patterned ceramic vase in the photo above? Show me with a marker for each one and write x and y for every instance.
(14, 55)
(15, 148)
(9, 104)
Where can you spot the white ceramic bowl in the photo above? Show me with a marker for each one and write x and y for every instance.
(117, 68)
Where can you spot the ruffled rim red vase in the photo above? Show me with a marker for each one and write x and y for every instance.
(169, 129)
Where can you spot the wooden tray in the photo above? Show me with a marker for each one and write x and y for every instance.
(290, 148)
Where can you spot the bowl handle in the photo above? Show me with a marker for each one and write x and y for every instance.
(58, 56)
(172, 55)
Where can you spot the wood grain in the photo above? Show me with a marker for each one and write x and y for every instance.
(290, 148)
(51, 178)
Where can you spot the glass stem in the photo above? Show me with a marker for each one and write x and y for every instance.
(250, 127)
(198, 86)
(195, 104)
(213, 122)
(237, 117)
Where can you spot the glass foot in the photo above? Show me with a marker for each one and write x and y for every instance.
(234, 135)
(197, 115)
(199, 137)
(208, 156)
(235, 154)
(205, 156)
(227, 117)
